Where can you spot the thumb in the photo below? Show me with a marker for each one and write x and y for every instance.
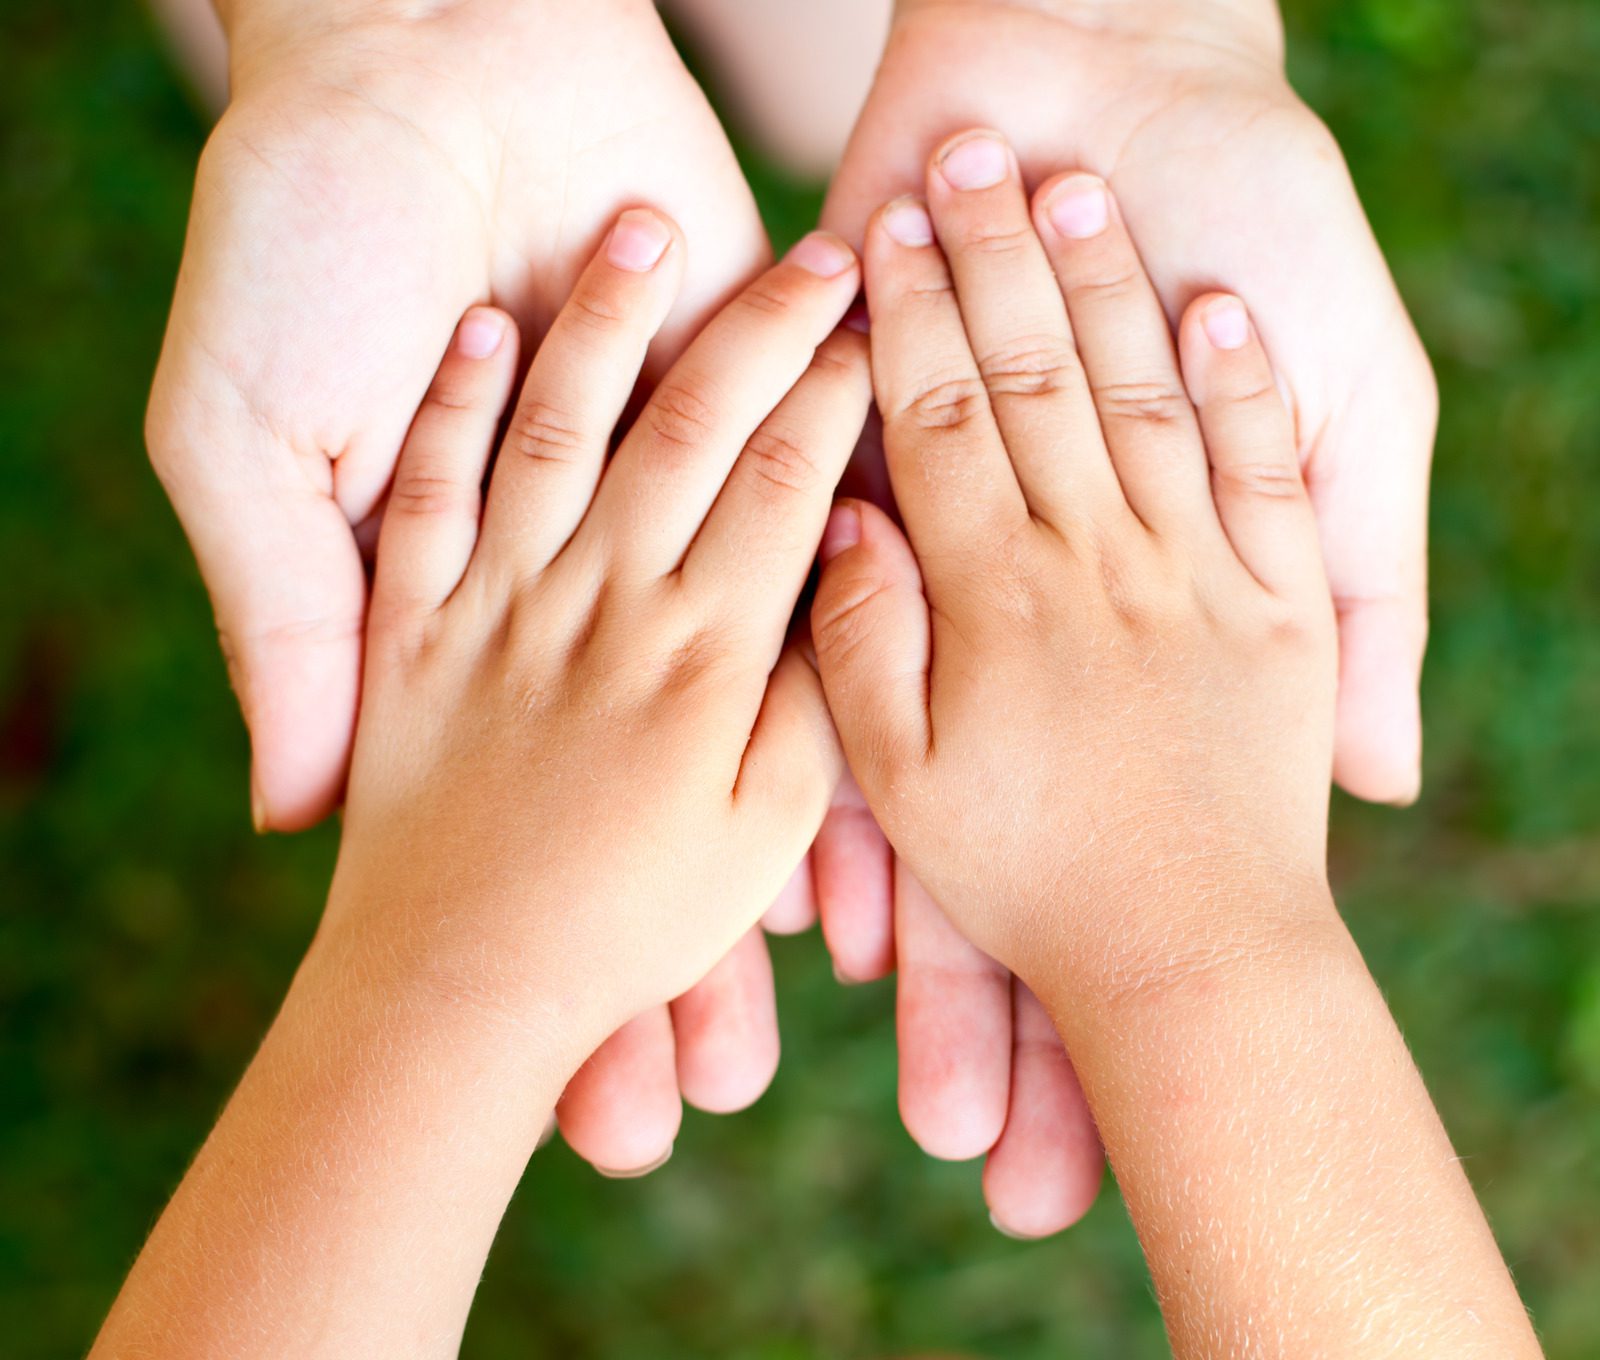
(289, 593)
(869, 624)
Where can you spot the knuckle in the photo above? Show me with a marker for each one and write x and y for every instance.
(1159, 402)
(681, 414)
(765, 298)
(544, 433)
(591, 309)
(842, 618)
(451, 392)
(1033, 367)
(948, 404)
(780, 459)
(1114, 287)
(1263, 478)
(421, 493)
(991, 240)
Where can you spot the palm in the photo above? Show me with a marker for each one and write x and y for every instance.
(361, 191)
(1227, 181)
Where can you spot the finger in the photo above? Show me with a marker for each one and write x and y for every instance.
(1368, 478)
(794, 910)
(1125, 342)
(726, 1029)
(1378, 728)
(430, 524)
(1017, 324)
(758, 543)
(792, 763)
(290, 594)
(1255, 470)
(1044, 1173)
(853, 869)
(870, 627)
(577, 387)
(953, 1022)
(621, 1112)
(953, 481)
(672, 464)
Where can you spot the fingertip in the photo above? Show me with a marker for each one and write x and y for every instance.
(1073, 206)
(1378, 742)
(901, 222)
(640, 239)
(822, 254)
(481, 333)
(843, 531)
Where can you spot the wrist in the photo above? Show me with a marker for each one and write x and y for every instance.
(1209, 929)
(1256, 25)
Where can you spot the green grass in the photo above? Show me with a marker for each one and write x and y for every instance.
(146, 936)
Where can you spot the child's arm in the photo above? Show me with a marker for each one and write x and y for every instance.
(1091, 702)
(585, 765)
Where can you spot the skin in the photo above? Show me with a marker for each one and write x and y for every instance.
(1228, 181)
(288, 377)
(1090, 694)
(1153, 605)
(594, 634)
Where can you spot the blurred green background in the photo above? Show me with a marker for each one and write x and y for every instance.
(146, 936)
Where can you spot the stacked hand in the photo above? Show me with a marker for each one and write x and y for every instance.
(377, 172)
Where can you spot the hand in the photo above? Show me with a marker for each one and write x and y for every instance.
(1067, 557)
(374, 175)
(1091, 701)
(582, 710)
(1228, 181)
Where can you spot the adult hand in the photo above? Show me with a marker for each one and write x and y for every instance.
(1228, 181)
(375, 173)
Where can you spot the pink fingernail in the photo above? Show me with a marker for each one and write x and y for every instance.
(1227, 324)
(481, 331)
(638, 241)
(822, 254)
(977, 162)
(843, 532)
(907, 222)
(1079, 208)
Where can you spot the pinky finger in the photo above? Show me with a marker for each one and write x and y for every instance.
(430, 525)
(1255, 469)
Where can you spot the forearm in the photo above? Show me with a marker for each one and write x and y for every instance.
(1290, 1181)
(346, 1201)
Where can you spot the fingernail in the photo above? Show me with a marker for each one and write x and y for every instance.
(1004, 1231)
(977, 162)
(1227, 324)
(633, 1173)
(822, 254)
(482, 329)
(258, 809)
(858, 319)
(907, 222)
(843, 531)
(1079, 208)
(638, 241)
(844, 979)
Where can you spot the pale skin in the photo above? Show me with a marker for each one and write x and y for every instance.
(1089, 692)
(287, 377)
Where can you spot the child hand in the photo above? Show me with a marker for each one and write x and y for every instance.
(1104, 662)
(585, 763)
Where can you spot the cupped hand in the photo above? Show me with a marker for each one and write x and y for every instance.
(1227, 181)
(374, 175)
